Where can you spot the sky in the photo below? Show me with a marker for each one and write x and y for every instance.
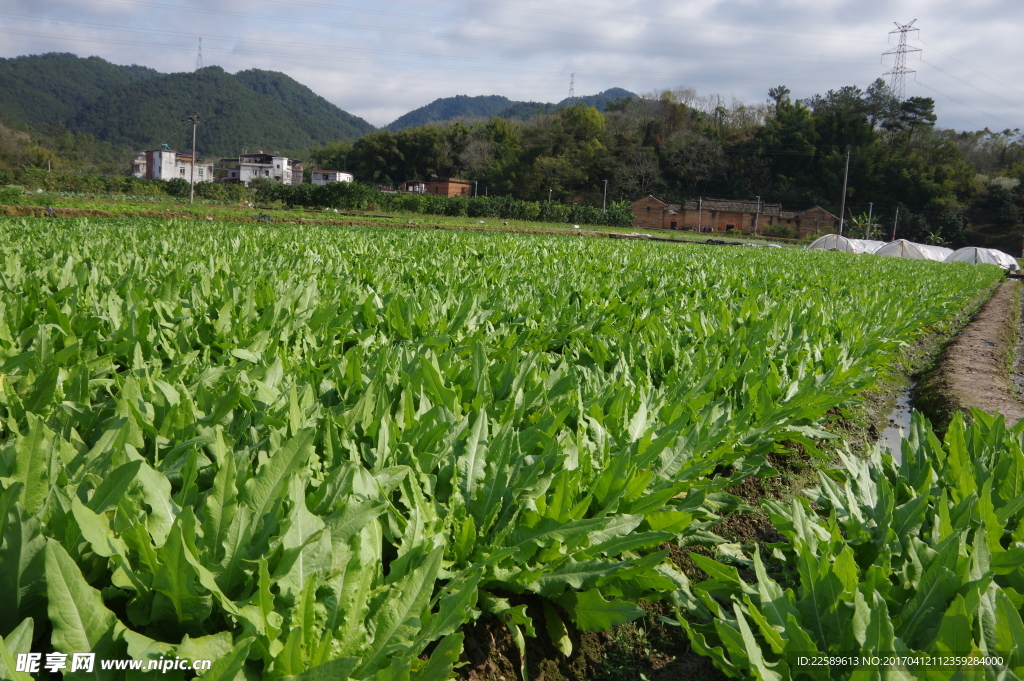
(381, 60)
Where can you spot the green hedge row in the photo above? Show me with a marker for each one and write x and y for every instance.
(355, 196)
(37, 178)
(345, 195)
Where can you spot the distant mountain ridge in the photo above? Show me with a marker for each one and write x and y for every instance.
(485, 106)
(136, 107)
(139, 107)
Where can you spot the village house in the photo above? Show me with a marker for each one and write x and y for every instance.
(325, 176)
(449, 186)
(272, 167)
(414, 186)
(717, 215)
(167, 164)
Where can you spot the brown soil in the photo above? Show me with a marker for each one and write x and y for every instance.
(40, 212)
(973, 370)
(648, 647)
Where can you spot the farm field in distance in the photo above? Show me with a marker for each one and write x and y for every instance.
(321, 452)
(75, 204)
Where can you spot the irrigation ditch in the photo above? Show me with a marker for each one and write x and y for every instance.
(965, 362)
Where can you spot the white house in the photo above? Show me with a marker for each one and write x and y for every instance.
(325, 176)
(167, 164)
(262, 165)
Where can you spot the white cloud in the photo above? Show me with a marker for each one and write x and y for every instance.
(379, 62)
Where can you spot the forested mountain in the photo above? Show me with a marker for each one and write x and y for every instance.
(133, 107)
(51, 88)
(945, 184)
(485, 106)
(275, 115)
(601, 100)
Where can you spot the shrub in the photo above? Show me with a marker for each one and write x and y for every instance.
(779, 230)
(10, 196)
(177, 187)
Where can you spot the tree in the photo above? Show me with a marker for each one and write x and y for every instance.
(639, 174)
(881, 105)
(694, 159)
(996, 206)
(915, 114)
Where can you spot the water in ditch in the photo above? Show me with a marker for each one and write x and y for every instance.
(898, 425)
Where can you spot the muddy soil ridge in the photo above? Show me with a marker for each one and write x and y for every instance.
(974, 369)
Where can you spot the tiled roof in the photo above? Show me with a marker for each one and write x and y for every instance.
(819, 208)
(721, 205)
(668, 206)
(737, 206)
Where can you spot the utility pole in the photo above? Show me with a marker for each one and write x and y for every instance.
(757, 215)
(549, 194)
(899, 68)
(572, 85)
(199, 57)
(604, 204)
(842, 207)
(194, 119)
(871, 208)
(895, 220)
(476, 190)
(700, 214)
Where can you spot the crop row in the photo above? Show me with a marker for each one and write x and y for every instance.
(319, 453)
(916, 572)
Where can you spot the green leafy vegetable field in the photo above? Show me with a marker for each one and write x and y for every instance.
(317, 453)
(918, 567)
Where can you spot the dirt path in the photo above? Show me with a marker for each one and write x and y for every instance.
(974, 371)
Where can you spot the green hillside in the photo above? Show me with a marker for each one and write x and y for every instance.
(309, 111)
(133, 107)
(50, 88)
(601, 99)
(485, 106)
(280, 118)
(447, 108)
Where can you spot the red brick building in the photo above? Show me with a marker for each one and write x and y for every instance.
(717, 215)
(449, 186)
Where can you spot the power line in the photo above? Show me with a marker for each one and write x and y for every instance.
(899, 69)
(978, 57)
(969, 84)
(702, 25)
(645, 75)
(969, 106)
(1000, 83)
(699, 51)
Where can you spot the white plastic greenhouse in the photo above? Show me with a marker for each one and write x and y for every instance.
(835, 242)
(901, 248)
(867, 245)
(988, 256)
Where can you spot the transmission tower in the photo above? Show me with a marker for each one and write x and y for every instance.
(572, 83)
(199, 57)
(899, 69)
